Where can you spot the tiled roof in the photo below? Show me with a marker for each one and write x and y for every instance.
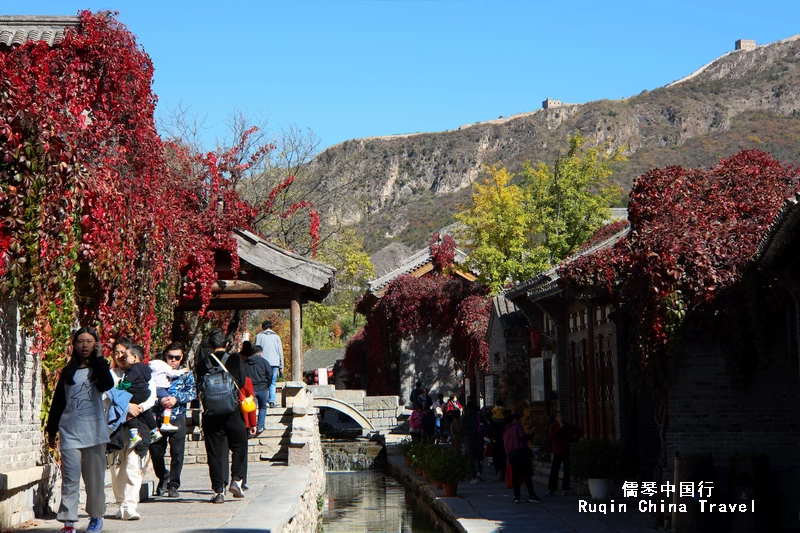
(314, 359)
(284, 264)
(619, 213)
(419, 259)
(15, 30)
(546, 283)
(511, 317)
(783, 229)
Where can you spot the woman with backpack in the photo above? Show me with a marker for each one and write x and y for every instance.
(77, 415)
(223, 422)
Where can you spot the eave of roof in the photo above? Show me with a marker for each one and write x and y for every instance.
(783, 229)
(510, 316)
(418, 260)
(20, 29)
(545, 284)
(284, 264)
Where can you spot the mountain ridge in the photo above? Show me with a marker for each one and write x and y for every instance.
(408, 185)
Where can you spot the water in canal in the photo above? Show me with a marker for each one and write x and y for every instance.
(372, 502)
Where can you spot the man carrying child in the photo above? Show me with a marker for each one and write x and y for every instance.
(126, 464)
(175, 388)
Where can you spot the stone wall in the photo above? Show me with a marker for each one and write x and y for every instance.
(20, 422)
(305, 449)
(709, 414)
(426, 357)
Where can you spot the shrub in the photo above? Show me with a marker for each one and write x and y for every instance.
(449, 468)
(597, 459)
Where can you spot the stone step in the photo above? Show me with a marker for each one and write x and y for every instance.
(276, 437)
(280, 454)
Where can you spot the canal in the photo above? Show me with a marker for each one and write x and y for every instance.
(373, 502)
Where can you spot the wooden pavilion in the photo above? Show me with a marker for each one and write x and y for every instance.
(269, 277)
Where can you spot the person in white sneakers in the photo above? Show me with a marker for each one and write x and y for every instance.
(127, 464)
(174, 401)
(77, 415)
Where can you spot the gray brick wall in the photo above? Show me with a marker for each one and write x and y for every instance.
(20, 395)
(709, 414)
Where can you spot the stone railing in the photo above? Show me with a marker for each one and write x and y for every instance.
(381, 411)
(305, 451)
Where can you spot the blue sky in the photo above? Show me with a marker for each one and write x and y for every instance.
(358, 69)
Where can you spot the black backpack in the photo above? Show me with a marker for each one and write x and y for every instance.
(218, 390)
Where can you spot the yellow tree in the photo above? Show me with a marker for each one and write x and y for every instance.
(571, 200)
(500, 231)
(330, 324)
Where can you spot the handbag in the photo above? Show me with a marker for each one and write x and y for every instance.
(247, 405)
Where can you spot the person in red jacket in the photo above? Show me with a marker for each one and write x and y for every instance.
(250, 420)
(561, 434)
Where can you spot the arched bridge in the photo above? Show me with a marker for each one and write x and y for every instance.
(372, 413)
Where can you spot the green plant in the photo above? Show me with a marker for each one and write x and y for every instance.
(597, 459)
(449, 468)
(405, 446)
(423, 455)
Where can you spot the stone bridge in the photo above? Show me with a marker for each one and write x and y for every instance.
(372, 413)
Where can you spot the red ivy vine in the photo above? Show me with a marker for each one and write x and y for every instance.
(693, 236)
(416, 304)
(98, 217)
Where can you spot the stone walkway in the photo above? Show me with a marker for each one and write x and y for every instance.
(273, 498)
(487, 507)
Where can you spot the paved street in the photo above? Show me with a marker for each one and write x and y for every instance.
(487, 507)
(274, 492)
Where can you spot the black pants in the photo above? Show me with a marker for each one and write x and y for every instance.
(223, 433)
(521, 471)
(475, 456)
(177, 444)
(558, 460)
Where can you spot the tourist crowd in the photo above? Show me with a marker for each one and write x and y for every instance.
(495, 433)
(123, 415)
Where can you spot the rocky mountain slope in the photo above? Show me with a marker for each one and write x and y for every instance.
(409, 185)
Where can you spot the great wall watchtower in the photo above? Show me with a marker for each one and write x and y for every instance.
(745, 45)
(550, 103)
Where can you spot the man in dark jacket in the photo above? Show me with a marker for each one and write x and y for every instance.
(260, 373)
(470, 421)
(224, 433)
(561, 434)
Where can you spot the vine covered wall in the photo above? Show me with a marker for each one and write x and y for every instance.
(438, 301)
(693, 236)
(101, 221)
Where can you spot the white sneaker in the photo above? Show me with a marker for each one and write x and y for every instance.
(235, 488)
(169, 427)
(136, 439)
(118, 516)
(130, 514)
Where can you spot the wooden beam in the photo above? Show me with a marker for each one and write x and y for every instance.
(261, 286)
(218, 304)
(466, 275)
(296, 338)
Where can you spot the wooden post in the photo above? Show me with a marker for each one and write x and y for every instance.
(297, 338)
